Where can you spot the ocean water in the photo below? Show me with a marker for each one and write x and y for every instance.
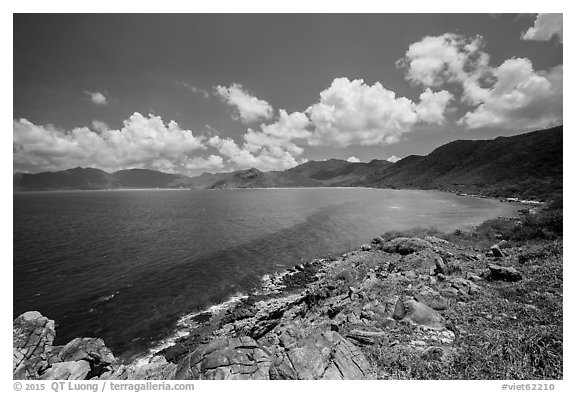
(125, 266)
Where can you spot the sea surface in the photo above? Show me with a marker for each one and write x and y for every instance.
(125, 266)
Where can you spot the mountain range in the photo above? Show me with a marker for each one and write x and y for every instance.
(525, 166)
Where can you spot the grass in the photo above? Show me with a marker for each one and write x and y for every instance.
(511, 330)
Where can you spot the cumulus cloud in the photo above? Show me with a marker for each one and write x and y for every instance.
(96, 97)
(449, 58)
(279, 134)
(546, 26)
(265, 159)
(249, 108)
(99, 126)
(353, 112)
(520, 99)
(353, 159)
(211, 162)
(142, 142)
(271, 148)
(432, 106)
(193, 89)
(512, 95)
(393, 159)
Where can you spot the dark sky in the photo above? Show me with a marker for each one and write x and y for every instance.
(169, 65)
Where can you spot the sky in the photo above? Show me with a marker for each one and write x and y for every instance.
(193, 93)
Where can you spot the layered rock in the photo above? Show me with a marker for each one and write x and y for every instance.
(226, 358)
(35, 357)
(33, 335)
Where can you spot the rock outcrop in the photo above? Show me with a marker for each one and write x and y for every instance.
(68, 370)
(33, 335)
(503, 273)
(411, 310)
(35, 357)
(327, 355)
(405, 245)
(226, 358)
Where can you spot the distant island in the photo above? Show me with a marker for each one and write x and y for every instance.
(527, 166)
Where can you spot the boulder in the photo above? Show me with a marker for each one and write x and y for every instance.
(497, 251)
(32, 337)
(405, 245)
(437, 241)
(411, 310)
(377, 240)
(158, 368)
(439, 265)
(328, 355)
(464, 286)
(431, 298)
(226, 358)
(366, 247)
(91, 350)
(433, 353)
(503, 273)
(68, 370)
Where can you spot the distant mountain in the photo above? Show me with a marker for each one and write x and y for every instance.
(145, 178)
(527, 166)
(71, 179)
(253, 178)
(339, 172)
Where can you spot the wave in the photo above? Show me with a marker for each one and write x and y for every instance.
(184, 325)
(269, 284)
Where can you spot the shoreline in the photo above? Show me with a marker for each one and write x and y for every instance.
(503, 199)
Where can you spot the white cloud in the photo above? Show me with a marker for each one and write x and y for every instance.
(193, 89)
(212, 162)
(265, 159)
(99, 126)
(393, 159)
(96, 97)
(142, 142)
(432, 106)
(448, 58)
(520, 99)
(353, 112)
(249, 108)
(279, 134)
(511, 96)
(353, 159)
(271, 148)
(546, 26)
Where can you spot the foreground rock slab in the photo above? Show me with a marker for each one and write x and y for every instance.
(33, 335)
(328, 355)
(68, 370)
(226, 358)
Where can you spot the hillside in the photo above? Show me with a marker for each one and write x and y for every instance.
(71, 179)
(339, 172)
(253, 178)
(527, 166)
(145, 178)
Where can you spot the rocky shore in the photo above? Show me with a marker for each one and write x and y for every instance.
(400, 307)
